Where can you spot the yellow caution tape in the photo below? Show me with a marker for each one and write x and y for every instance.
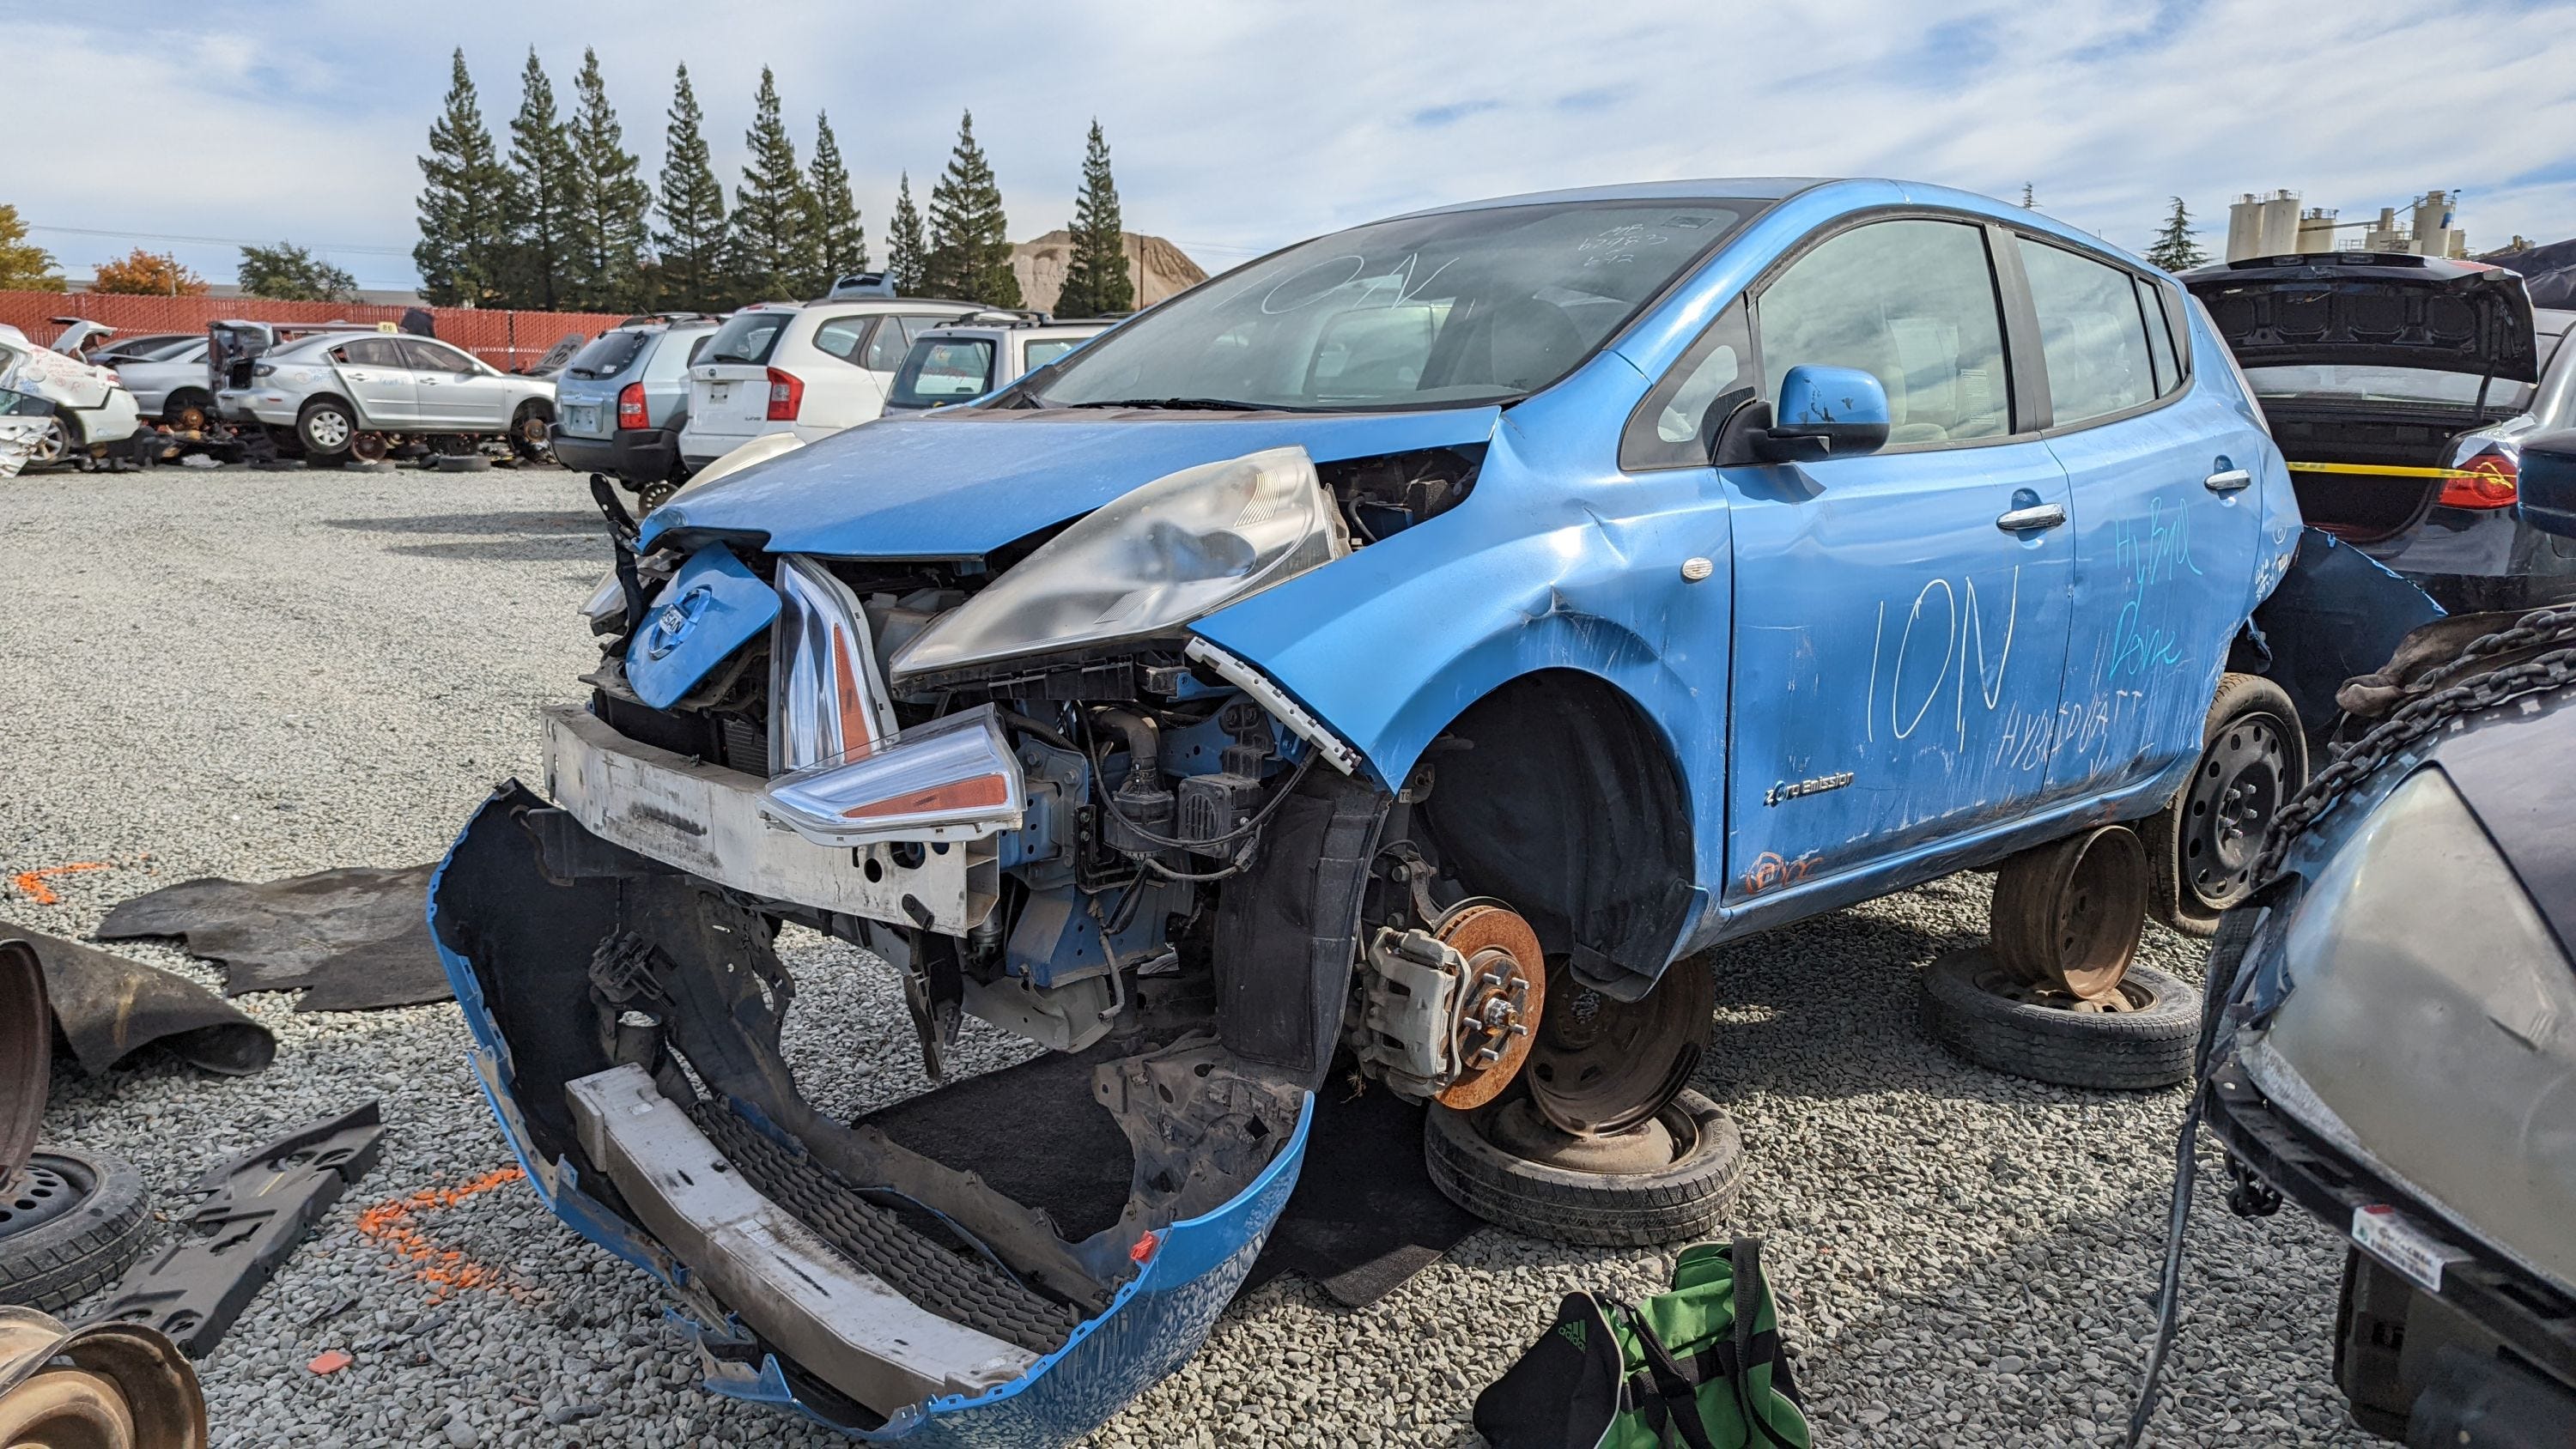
(2386, 471)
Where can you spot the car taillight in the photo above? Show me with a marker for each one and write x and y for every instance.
(2485, 481)
(630, 406)
(786, 395)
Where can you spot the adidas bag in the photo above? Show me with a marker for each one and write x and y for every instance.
(1696, 1368)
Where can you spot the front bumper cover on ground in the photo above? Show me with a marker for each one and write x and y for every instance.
(1182, 1276)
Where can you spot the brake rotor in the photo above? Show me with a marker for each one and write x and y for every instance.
(1499, 1006)
(369, 447)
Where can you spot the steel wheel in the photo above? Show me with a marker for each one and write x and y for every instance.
(2244, 777)
(26, 1055)
(369, 447)
(2067, 916)
(103, 1386)
(1600, 1065)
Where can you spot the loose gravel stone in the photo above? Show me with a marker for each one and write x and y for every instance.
(256, 674)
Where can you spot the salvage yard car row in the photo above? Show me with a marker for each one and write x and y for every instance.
(1390, 666)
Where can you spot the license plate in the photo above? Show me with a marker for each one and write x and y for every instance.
(718, 391)
(2414, 1253)
(582, 420)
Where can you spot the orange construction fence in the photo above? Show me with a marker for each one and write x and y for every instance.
(504, 339)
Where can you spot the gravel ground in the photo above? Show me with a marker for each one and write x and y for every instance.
(259, 674)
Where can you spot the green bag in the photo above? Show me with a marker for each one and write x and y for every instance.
(1696, 1368)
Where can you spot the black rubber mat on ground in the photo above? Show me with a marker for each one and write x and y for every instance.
(352, 939)
(946, 1279)
(1364, 1218)
(111, 1006)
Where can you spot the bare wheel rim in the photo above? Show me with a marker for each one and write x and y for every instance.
(2239, 787)
(1599, 1065)
(26, 1056)
(65, 1408)
(54, 443)
(369, 447)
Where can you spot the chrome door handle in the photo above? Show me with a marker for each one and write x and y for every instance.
(2227, 480)
(2031, 519)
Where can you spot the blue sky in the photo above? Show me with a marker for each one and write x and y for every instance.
(1238, 125)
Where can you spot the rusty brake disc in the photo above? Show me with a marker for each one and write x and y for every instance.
(1500, 1003)
(26, 1054)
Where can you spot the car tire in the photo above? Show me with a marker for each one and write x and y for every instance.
(528, 432)
(2177, 837)
(66, 1256)
(1965, 1009)
(57, 443)
(325, 428)
(1685, 1200)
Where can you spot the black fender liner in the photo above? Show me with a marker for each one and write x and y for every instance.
(1288, 932)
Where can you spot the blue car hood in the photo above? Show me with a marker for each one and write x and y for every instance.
(961, 484)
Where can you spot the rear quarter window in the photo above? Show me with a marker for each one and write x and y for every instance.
(841, 337)
(746, 337)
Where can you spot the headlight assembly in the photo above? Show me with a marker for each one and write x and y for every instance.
(2431, 1012)
(1182, 546)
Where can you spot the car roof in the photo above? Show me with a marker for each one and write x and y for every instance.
(866, 304)
(1003, 329)
(1750, 188)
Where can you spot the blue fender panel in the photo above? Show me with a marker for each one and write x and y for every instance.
(1157, 1320)
(710, 608)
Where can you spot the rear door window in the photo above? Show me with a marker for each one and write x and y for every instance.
(1045, 350)
(2091, 334)
(1911, 302)
(436, 356)
(373, 352)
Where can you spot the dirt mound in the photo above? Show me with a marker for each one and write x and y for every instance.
(1159, 268)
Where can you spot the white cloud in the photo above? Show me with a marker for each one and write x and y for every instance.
(1240, 126)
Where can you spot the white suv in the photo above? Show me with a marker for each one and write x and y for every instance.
(806, 368)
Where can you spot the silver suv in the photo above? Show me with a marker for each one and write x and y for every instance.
(621, 402)
(961, 363)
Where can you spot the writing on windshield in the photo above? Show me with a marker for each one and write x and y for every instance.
(1453, 309)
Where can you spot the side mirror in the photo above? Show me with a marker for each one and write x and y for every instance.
(1825, 412)
(2546, 489)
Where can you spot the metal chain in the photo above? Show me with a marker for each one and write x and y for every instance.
(2438, 701)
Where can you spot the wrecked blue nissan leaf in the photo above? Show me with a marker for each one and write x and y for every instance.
(1389, 658)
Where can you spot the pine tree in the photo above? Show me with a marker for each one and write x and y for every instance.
(609, 202)
(2174, 249)
(1096, 282)
(970, 244)
(541, 160)
(773, 249)
(689, 261)
(906, 250)
(24, 266)
(840, 243)
(467, 202)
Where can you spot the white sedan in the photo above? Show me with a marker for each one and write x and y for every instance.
(91, 409)
(343, 391)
